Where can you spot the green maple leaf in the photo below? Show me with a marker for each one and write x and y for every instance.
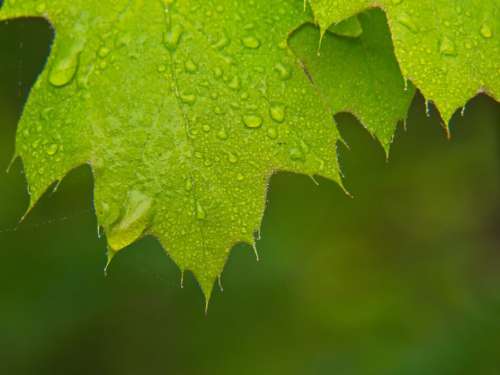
(449, 49)
(380, 97)
(183, 110)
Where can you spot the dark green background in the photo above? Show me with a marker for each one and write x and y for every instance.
(402, 279)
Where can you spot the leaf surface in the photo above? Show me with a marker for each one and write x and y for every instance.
(358, 75)
(449, 49)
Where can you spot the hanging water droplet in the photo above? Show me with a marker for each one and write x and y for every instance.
(252, 121)
(136, 217)
(277, 112)
(66, 64)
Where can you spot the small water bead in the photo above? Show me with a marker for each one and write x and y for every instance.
(52, 149)
(162, 68)
(235, 83)
(218, 72)
(240, 177)
(200, 212)
(406, 20)
(222, 42)
(277, 112)
(188, 98)
(251, 42)
(103, 52)
(222, 134)
(206, 128)
(272, 133)
(447, 47)
(252, 121)
(190, 66)
(232, 158)
(486, 31)
(284, 71)
(39, 8)
(173, 36)
(188, 184)
(296, 154)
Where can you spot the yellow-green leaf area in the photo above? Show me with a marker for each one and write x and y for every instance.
(449, 49)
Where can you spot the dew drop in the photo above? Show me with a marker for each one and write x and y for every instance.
(222, 134)
(486, 31)
(173, 36)
(284, 71)
(447, 47)
(296, 154)
(190, 66)
(232, 158)
(66, 65)
(405, 20)
(188, 184)
(277, 112)
(103, 52)
(252, 121)
(250, 42)
(188, 98)
(200, 212)
(52, 149)
(222, 42)
(235, 83)
(272, 133)
(136, 217)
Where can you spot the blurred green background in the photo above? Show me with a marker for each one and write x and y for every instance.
(402, 279)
